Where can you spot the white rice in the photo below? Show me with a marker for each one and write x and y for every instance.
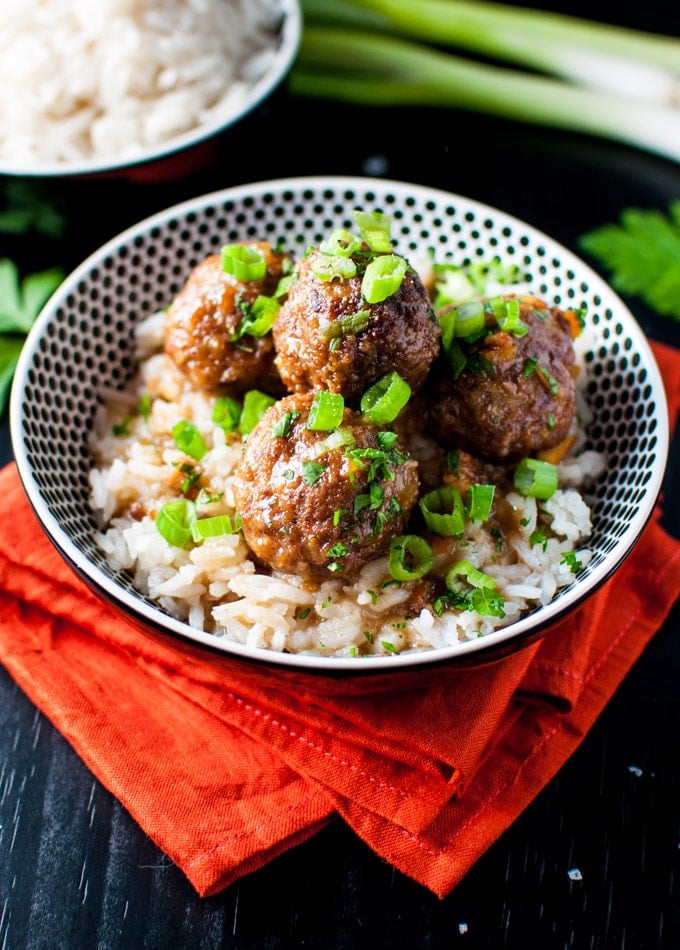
(216, 587)
(87, 78)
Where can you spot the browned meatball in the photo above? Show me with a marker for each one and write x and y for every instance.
(315, 510)
(515, 395)
(320, 345)
(202, 327)
(462, 470)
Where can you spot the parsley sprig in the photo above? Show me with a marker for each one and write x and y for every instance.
(20, 303)
(26, 210)
(642, 253)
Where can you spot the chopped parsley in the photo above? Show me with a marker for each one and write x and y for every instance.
(570, 558)
(371, 500)
(122, 427)
(192, 476)
(452, 460)
(530, 365)
(312, 472)
(481, 600)
(338, 515)
(642, 254)
(284, 425)
(538, 537)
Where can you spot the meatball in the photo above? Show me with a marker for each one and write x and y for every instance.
(203, 329)
(328, 337)
(515, 394)
(320, 504)
(463, 470)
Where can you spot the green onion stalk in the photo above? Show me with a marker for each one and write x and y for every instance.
(579, 75)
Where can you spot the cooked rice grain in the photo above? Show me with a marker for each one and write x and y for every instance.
(84, 79)
(215, 586)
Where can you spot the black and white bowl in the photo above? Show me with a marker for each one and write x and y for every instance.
(82, 345)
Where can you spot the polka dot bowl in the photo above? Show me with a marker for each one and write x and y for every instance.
(82, 345)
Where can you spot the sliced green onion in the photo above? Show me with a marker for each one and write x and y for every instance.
(428, 74)
(255, 404)
(447, 322)
(243, 262)
(374, 227)
(443, 511)
(333, 441)
(482, 273)
(326, 412)
(457, 359)
(383, 277)
(227, 413)
(472, 574)
(506, 315)
(144, 406)
(468, 588)
(327, 268)
(341, 243)
(451, 286)
(384, 400)
(258, 319)
(212, 527)
(410, 557)
(174, 521)
(480, 502)
(189, 440)
(283, 285)
(535, 478)
(469, 318)
(346, 326)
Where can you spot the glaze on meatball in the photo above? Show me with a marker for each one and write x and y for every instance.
(516, 394)
(316, 511)
(318, 347)
(204, 318)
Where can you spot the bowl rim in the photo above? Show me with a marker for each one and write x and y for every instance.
(536, 621)
(284, 56)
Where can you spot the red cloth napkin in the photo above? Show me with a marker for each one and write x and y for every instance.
(226, 765)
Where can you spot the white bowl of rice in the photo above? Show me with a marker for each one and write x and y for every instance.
(98, 398)
(105, 87)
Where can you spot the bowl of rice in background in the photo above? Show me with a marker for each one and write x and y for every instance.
(97, 401)
(136, 88)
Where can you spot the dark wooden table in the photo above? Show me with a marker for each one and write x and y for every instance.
(75, 869)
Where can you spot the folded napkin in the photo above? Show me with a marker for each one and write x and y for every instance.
(226, 766)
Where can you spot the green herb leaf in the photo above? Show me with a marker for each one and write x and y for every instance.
(312, 472)
(28, 211)
(21, 302)
(10, 347)
(642, 252)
